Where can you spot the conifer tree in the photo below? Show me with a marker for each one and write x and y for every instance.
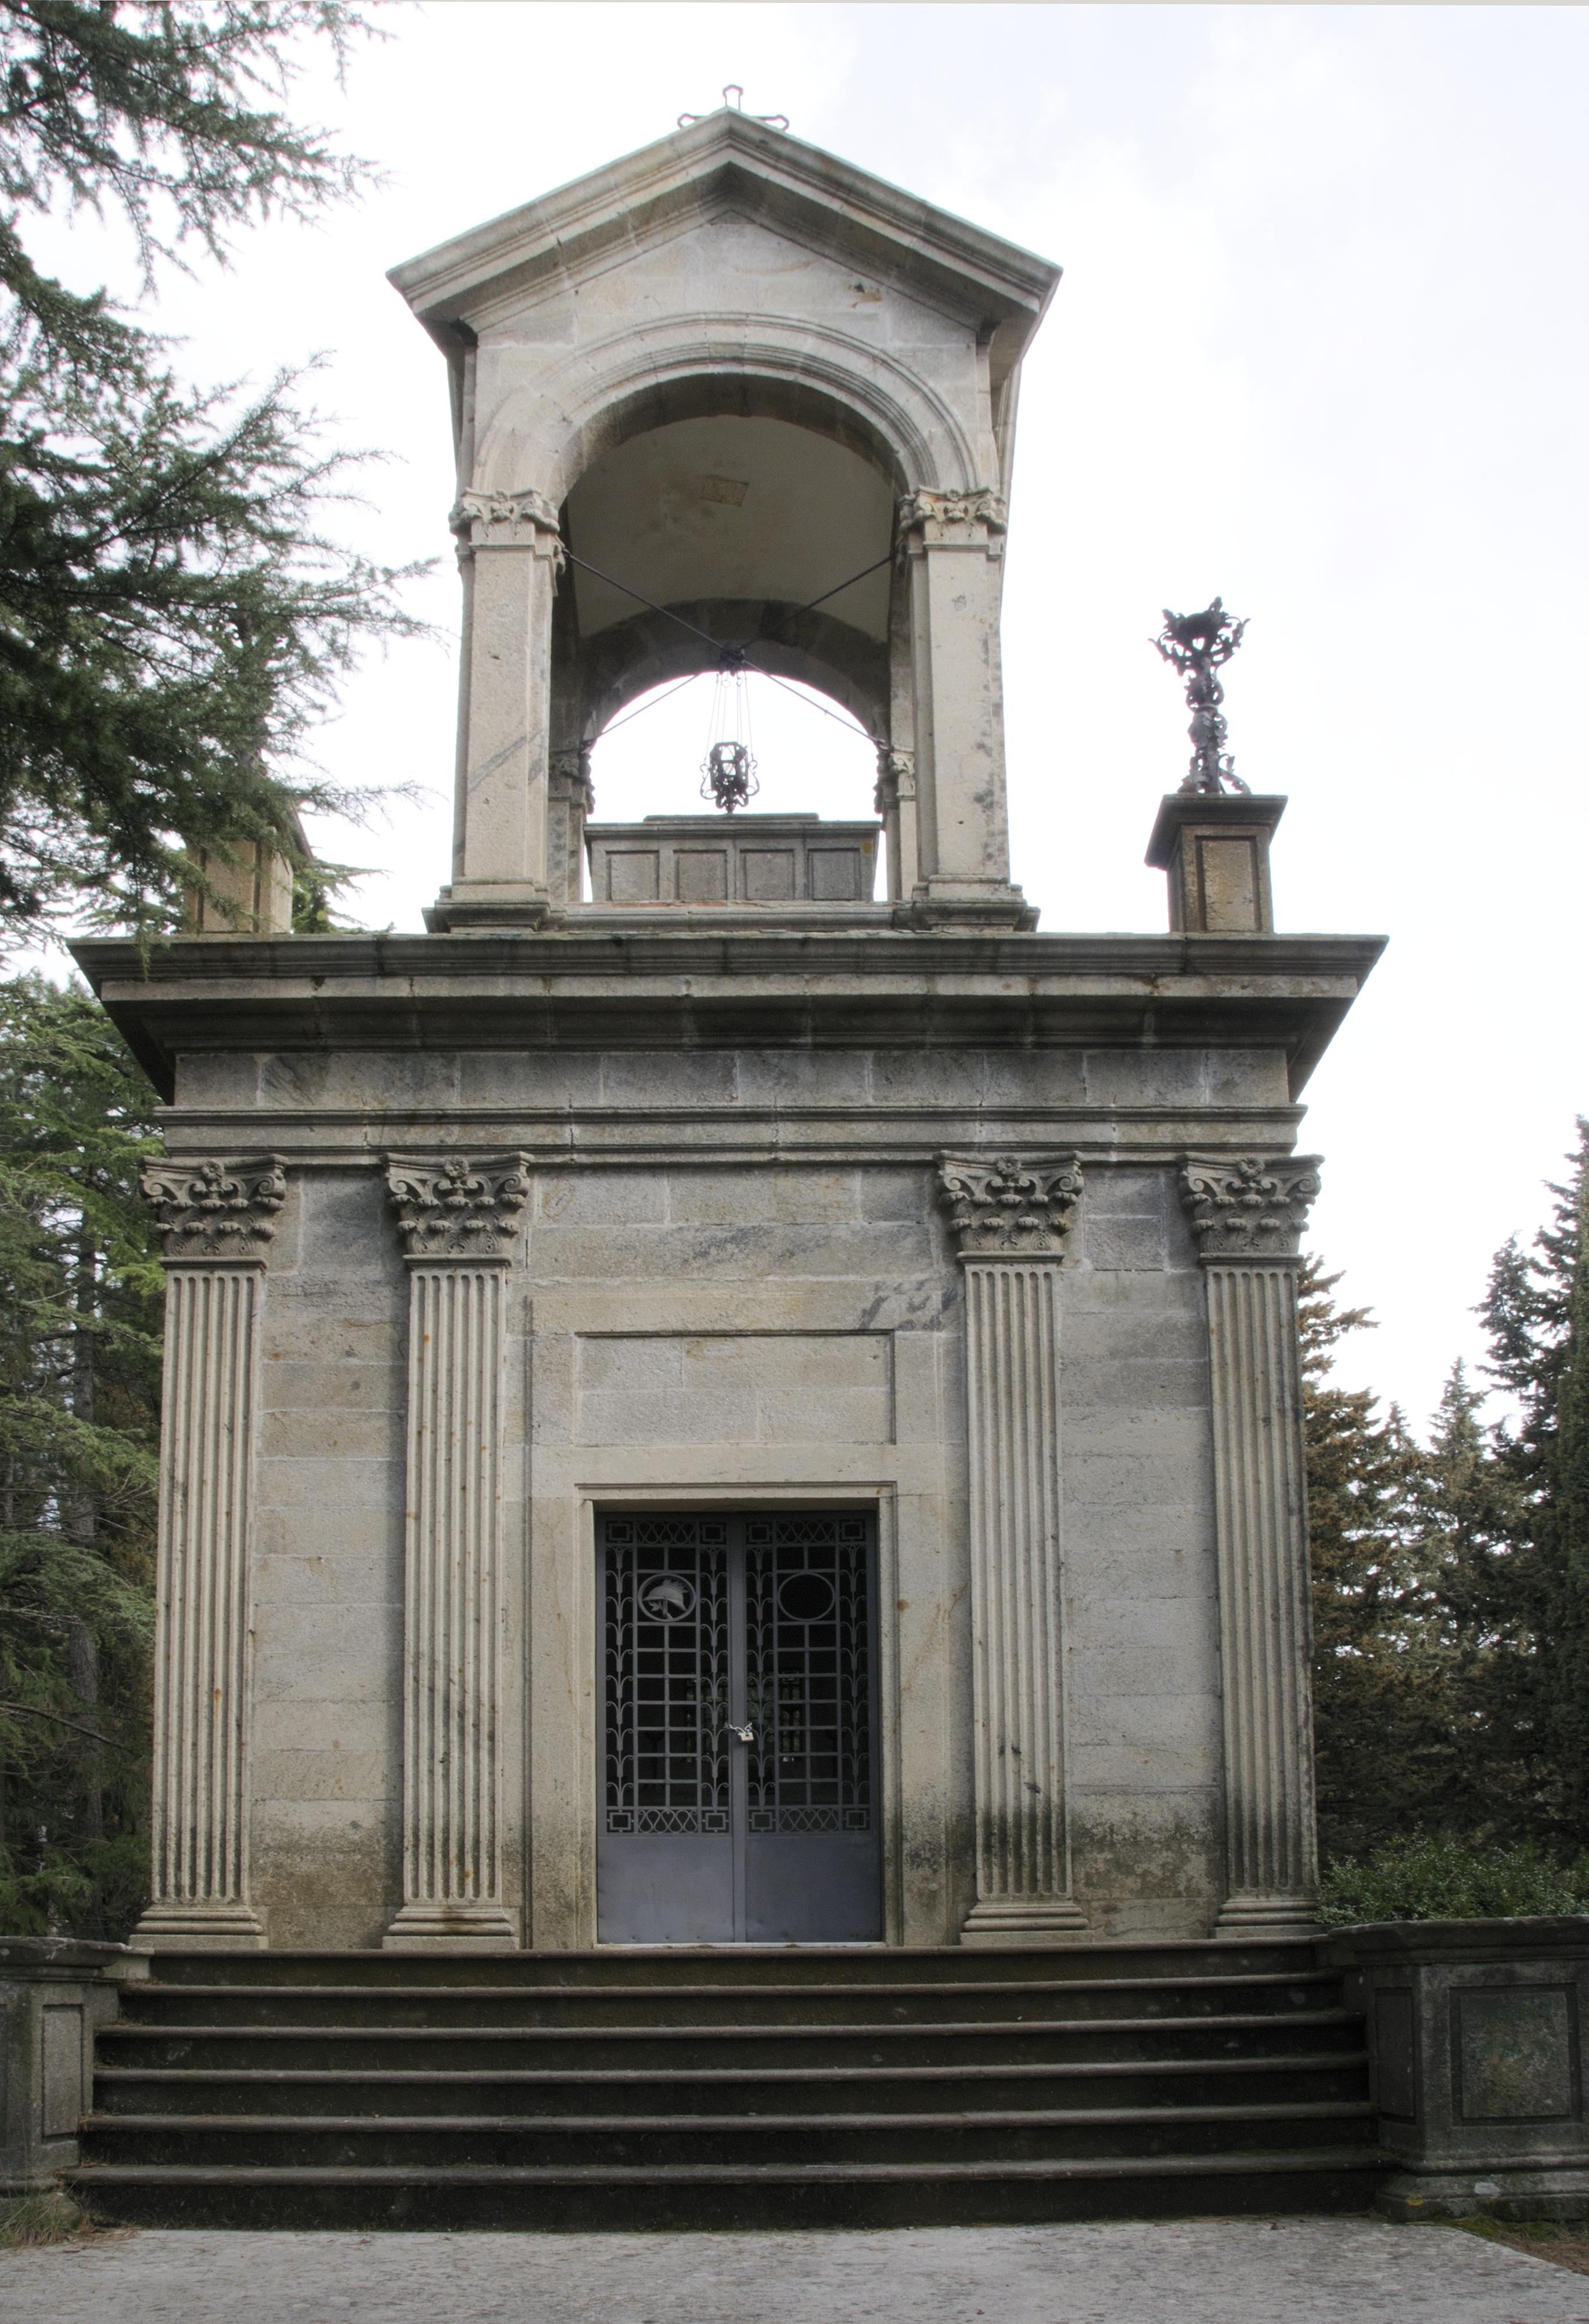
(173, 617)
(1372, 1724)
(1537, 1310)
(81, 1311)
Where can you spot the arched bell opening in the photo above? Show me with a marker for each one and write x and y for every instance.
(727, 534)
(809, 760)
(727, 525)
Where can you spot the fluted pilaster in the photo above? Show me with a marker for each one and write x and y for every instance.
(215, 1219)
(1248, 1217)
(1010, 1219)
(458, 1220)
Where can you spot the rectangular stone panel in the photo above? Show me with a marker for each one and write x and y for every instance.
(700, 875)
(835, 875)
(633, 875)
(727, 1388)
(1228, 874)
(63, 2071)
(769, 874)
(1394, 2059)
(1514, 2053)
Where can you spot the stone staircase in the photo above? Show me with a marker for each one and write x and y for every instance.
(765, 2087)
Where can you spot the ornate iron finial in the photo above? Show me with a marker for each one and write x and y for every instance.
(734, 102)
(730, 776)
(1198, 645)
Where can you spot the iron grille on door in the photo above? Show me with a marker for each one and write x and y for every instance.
(807, 1669)
(667, 1671)
(737, 1790)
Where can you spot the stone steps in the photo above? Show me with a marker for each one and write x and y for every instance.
(191, 2007)
(729, 1968)
(688, 2092)
(721, 2089)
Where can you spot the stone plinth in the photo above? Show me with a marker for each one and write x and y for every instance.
(774, 860)
(53, 1992)
(1476, 2033)
(1216, 852)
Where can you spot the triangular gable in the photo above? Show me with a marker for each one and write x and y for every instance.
(729, 161)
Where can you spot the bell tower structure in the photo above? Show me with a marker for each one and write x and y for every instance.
(731, 403)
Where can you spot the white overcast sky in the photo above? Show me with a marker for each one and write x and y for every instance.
(1320, 347)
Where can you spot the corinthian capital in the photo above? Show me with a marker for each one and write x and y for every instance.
(896, 777)
(525, 520)
(1255, 1207)
(1005, 1208)
(569, 777)
(216, 1210)
(454, 1208)
(961, 519)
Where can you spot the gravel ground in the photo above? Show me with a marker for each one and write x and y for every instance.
(1194, 2272)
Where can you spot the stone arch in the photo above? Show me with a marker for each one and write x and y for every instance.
(557, 434)
(811, 375)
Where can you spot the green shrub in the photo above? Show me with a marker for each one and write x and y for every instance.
(1427, 1879)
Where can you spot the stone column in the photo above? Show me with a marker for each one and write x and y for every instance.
(894, 798)
(512, 555)
(458, 1221)
(570, 799)
(1010, 1218)
(953, 545)
(1247, 1216)
(215, 1219)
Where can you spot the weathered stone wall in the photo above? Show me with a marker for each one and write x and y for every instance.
(1141, 1604)
(326, 1766)
(741, 1330)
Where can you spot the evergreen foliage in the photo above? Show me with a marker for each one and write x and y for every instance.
(172, 616)
(1425, 1879)
(1537, 1310)
(81, 1306)
(1450, 1579)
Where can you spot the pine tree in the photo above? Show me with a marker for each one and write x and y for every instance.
(1537, 1310)
(1462, 1523)
(1375, 1735)
(173, 617)
(81, 1311)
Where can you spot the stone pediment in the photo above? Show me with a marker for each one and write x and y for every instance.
(728, 165)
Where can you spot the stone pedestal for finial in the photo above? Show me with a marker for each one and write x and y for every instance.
(1216, 850)
(248, 892)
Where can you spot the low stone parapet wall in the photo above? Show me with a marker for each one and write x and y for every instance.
(1476, 2037)
(53, 1992)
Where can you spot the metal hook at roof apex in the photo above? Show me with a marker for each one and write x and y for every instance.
(734, 102)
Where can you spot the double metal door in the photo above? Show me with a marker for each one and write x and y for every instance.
(738, 1792)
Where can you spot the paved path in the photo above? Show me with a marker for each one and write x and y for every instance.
(1202, 2271)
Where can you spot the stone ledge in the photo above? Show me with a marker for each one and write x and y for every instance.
(687, 990)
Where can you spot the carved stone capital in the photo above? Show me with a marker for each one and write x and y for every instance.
(1253, 1208)
(216, 1210)
(896, 778)
(932, 520)
(455, 1208)
(525, 520)
(569, 777)
(1006, 1208)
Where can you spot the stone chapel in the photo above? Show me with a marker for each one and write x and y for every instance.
(710, 1401)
